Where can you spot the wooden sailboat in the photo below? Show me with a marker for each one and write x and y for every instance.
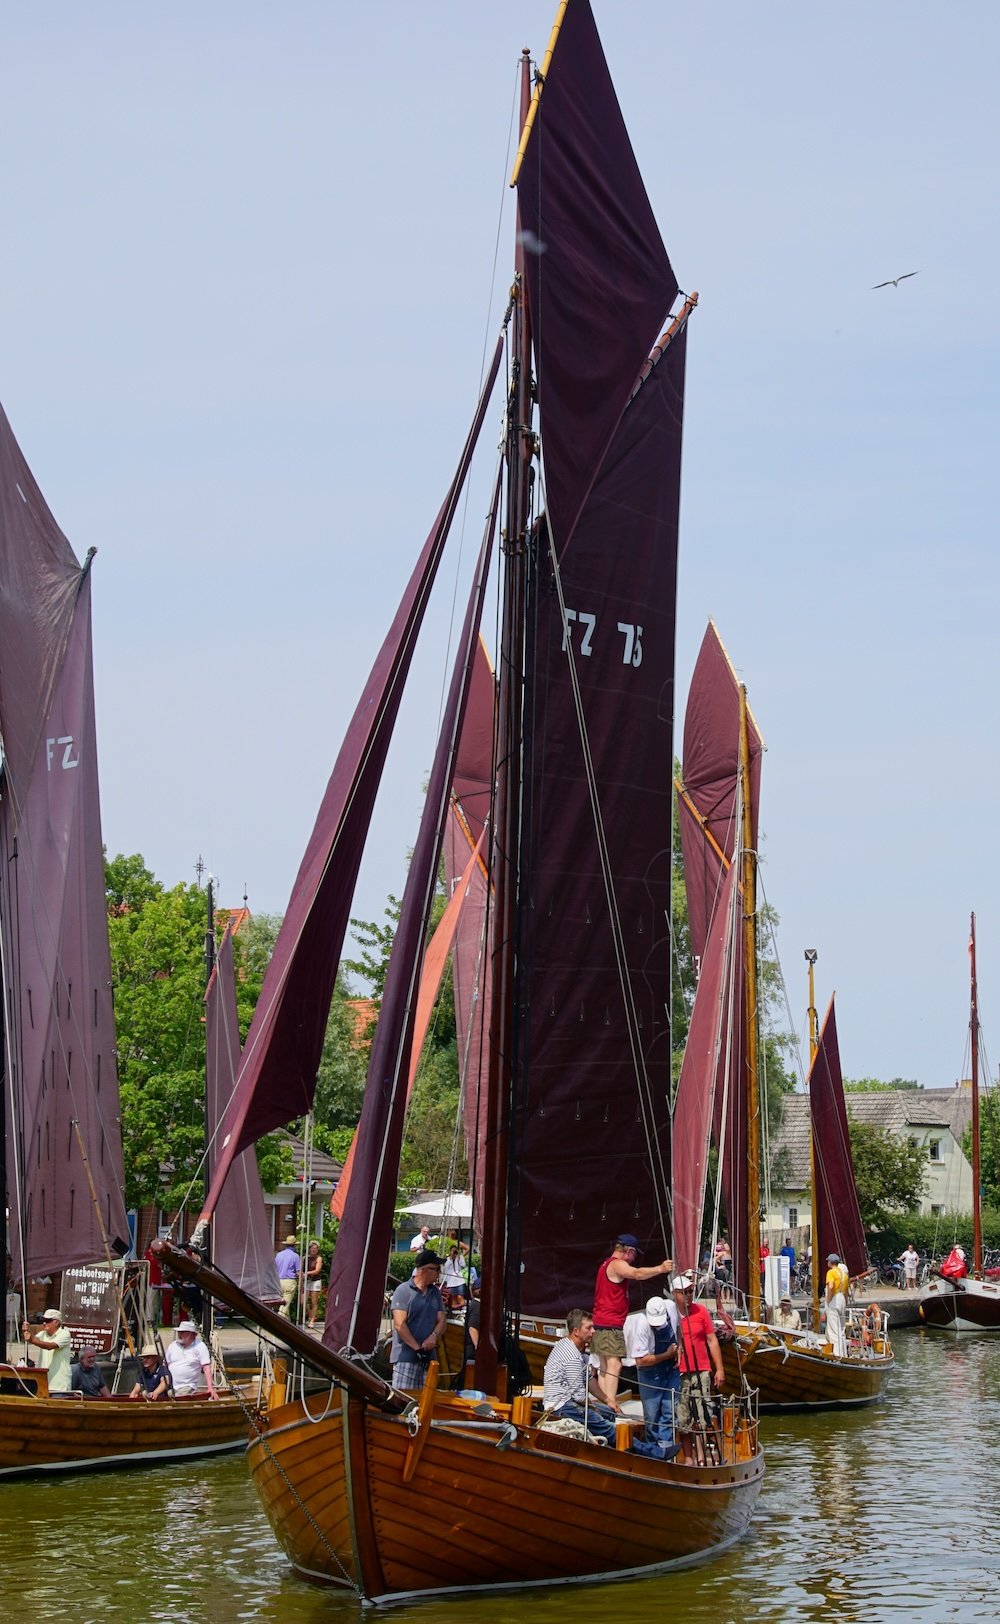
(718, 1087)
(63, 1154)
(575, 1081)
(972, 1302)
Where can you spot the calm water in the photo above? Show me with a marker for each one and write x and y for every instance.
(887, 1514)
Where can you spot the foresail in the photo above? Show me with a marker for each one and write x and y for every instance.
(242, 1245)
(591, 1116)
(61, 1084)
(355, 1298)
(838, 1216)
(285, 1042)
(598, 277)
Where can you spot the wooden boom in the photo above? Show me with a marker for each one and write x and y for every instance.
(357, 1380)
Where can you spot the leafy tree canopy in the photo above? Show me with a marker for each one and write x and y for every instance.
(888, 1171)
(871, 1085)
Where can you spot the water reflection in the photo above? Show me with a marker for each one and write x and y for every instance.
(880, 1515)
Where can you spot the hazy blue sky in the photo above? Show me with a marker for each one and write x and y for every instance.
(247, 279)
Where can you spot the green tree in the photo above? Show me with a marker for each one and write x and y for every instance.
(888, 1172)
(158, 978)
(871, 1085)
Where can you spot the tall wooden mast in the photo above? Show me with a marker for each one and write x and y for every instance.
(817, 1264)
(519, 449)
(977, 1217)
(748, 861)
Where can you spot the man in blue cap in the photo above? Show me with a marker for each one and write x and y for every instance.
(611, 1308)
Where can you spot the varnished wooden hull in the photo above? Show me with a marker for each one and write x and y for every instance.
(543, 1510)
(961, 1305)
(45, 1435)
(790, 1377)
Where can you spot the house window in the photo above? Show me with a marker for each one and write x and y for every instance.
(793, 1217)
(934, 1150)
(937, 1212)
(914, 1142)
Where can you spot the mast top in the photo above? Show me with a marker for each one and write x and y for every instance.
(540, 78)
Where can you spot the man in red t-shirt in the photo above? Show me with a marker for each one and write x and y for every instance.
(698, 1352)
(611, 1308)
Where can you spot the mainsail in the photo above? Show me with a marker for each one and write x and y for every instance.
(838, 1216)
(60, 1082)
(242, 1246)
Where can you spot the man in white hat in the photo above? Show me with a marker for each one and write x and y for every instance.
(54, 1342)
(289, 1266)
(837, 1282)
(651, 1346)
(154, 1381)
(189, 1362)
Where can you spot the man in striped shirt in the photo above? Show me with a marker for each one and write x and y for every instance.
(570, 1390)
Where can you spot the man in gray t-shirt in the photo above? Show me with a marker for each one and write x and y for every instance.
(571, 1390)
(418, 1319)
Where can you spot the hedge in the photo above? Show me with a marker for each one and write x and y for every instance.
(932, 1234)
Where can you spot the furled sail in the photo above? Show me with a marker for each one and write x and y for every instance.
(242, 1246)
(590, 1129)
(60, 1083)
(285, 1041)
(838, 1216)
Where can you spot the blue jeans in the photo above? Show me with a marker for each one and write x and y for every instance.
(658, 1401)
(599, 1419)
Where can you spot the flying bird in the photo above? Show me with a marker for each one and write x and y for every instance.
(894, 281)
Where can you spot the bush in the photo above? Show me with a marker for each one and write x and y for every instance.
(931, 1234)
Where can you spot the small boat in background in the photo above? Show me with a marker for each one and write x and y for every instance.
(955, 1301)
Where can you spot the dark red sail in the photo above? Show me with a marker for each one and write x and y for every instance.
(283, 1047)
(599, 280)
(355, 1297)
(590, 1132)
(242, 1244)
(707, 808)
(711, 774)
(713, 1045)
(838, 1216)
(60, 1082)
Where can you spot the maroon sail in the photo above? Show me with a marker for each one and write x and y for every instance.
(707, 806)
(355, 1297)
(60, 1082)
(242, 1245)
(283, 1047)
(713, 1046)
(590, 1127)
(711, 774)
(599, 280)
(838, 1216)
(472, 986)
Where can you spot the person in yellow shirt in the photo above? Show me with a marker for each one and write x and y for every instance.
(837, 1282)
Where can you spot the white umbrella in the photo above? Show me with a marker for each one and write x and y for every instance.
(456, 1205)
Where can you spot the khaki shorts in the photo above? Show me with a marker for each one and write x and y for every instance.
(610, 1341)
(697, 1402)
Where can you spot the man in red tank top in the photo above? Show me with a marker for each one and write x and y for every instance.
(611, 1308)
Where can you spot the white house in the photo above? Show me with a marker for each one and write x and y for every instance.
(933, 1118)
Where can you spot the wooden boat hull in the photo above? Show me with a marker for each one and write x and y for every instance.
(791, 1377)
(544, 1509)
(41, 1435)
(961, 1305)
